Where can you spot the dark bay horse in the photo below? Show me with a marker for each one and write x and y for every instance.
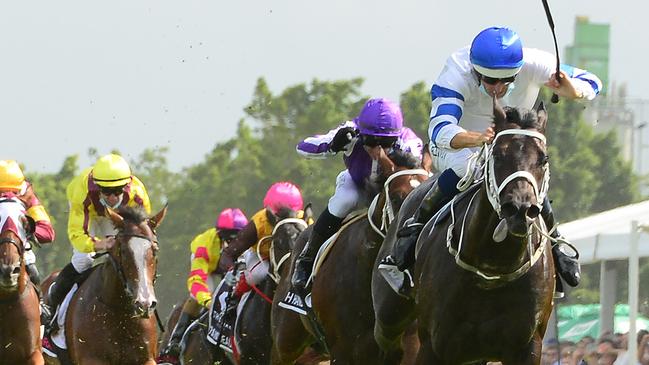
(253, 324)
(109, 319)
(341, 291)
(253, 327)
(19, 306)
(484, 275)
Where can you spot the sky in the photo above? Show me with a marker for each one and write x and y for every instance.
(137, 74)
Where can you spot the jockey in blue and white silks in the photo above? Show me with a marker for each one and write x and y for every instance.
(460, 121)
(377, 129)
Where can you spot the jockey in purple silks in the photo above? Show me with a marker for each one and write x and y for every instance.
(378, 126)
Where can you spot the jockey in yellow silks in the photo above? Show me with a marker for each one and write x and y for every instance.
(13, 185)
(206, 251)
(109, 183)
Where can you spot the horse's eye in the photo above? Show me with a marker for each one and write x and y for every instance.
(544, 160)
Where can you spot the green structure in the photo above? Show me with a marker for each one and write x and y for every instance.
(590, 49)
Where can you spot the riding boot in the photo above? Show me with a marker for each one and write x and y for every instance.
(326, 225)
(34, 276)
(565, 255)
(171, 353)
(57, 292)
(395, 267)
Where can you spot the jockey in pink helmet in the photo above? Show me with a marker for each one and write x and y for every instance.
(379, 125)
(281, 195)
(205, 252)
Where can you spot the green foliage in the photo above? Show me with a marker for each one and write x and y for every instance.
(237, 172)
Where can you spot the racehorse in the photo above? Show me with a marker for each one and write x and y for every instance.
(252, 328)
(195, 350)
(19, 305)
(253, 323)
(341, 295)
(484, 274)
(109, 318)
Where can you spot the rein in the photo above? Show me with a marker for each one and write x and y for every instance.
(276, 265)
(388, 213)
(493, 190)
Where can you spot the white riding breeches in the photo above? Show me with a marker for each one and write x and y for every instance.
(456, 160)
(81, 261)
(256, 270)
(346, 197)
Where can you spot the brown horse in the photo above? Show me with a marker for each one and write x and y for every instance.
(341, 294)
(19, 309)
(196, 350)
(484, 272)
(109, 318)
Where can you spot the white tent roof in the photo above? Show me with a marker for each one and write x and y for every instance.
(606, 235)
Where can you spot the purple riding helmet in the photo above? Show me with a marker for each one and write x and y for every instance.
(380, 117)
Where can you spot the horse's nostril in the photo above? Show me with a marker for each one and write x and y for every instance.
(16, 270)
(508, 209)
(533, 212)
(153, 304)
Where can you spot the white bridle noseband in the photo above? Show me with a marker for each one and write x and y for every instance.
(494, 189)
(388, 213)
(276, 265)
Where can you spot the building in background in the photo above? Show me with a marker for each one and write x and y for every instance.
(614, 110)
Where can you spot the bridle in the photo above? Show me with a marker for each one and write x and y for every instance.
(274, 263)
(117, 262)
(494, 189)
(388, 214)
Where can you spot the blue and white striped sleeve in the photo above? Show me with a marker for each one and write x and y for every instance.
(445, 115)
(587, 82)
(318, 146)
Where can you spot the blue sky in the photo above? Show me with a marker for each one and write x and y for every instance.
(131, 75)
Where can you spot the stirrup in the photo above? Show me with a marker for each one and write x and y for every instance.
(400, 281)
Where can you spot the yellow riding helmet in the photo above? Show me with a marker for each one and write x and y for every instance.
(11, 176)
(111, 170)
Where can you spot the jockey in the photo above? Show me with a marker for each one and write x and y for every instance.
(378, 127)
(108, 183)
(13, 184)
(279, 195)
(206, 249)
(460, 121)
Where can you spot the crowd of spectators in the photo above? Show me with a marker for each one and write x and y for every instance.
(609, 349)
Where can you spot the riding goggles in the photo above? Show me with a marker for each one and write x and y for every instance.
(228, 235)
(115, 190)
(373, 141)
(495, 80)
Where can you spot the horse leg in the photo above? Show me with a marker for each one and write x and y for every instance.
(426, 355)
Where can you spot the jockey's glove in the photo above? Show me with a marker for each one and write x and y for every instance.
(342, 139)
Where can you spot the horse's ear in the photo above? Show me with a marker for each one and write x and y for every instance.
(154, 222)
(272, 217)
(427, 159)
(542, 116)
(308, 212)
(118, 220)
(500, 117)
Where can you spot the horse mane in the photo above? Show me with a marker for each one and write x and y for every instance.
(524, 118)
(286, 212)
(134, 215)
(404, 159)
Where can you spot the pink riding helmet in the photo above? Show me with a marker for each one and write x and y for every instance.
(283, 194)
(231, 219)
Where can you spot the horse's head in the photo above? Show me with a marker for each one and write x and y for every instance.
(134, 255)
(287, 227)
(517, 169)
(14, 228)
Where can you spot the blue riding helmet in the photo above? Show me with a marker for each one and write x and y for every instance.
(497, 52)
